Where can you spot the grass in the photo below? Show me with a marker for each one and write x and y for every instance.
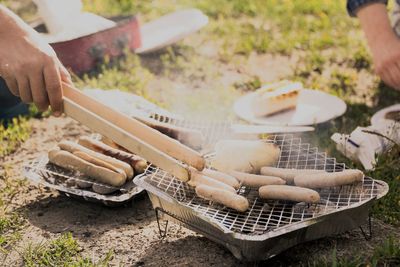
(388, 208)
(11, 222)
(127, 75)
(12, 135)
(386, 254)
(10, 231)
(62, 251)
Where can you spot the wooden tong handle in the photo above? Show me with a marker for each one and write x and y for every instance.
(125, 139)
(143, 132)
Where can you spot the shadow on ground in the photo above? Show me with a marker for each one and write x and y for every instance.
(84, 219)
(199, 251)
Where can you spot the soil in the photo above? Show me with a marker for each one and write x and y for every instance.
(131, 231)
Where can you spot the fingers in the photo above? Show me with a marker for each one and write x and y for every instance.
(38, 89)
(12, 85)
(388, 75)
(53, 86)
(65, 76)
(396, 74)
(389, 72)
(24, 89)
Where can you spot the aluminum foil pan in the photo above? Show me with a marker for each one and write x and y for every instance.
(40, 171)
(268, 227)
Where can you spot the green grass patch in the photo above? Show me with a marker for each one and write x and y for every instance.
(386, 254)
(126, 74)
(250, 85)
(63, 251)
(10, 231)
(388, 170)
(12, 135)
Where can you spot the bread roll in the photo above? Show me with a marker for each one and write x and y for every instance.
(244, 155)
(275, 98)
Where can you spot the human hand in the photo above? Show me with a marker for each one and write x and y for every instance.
(382, 41)
(386, 57)
(31, 68)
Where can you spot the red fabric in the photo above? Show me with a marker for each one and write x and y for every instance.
(82, 54)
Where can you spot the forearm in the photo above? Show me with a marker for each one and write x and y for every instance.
(375, 23)
(11, 24)
(383, 42)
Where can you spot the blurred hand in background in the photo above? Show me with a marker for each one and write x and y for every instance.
(382, 41)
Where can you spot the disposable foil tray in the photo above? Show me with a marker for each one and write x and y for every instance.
(40, 171)
(268, 227)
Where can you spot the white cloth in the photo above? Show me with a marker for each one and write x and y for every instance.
(65, 20)
(365, 143)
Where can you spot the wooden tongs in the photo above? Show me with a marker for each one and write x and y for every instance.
(159, 149)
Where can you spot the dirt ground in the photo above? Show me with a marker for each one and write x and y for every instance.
(131, 231)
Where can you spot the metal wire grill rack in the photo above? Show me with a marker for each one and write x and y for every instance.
(264, 216)
(212, 131)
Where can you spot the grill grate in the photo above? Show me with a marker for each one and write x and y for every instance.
(212, 131)
(264, 216)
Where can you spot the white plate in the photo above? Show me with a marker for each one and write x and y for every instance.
(169, 29)
(380, 115)
(313, 107)
(126, 103)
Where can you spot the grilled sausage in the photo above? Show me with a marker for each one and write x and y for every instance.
(73, 147)
(223, 197)
(70, 161)
(328, 179)
(103, 190)
(254, 180)
(286, 174)
(287, 192)
(197, 179)
(222, 177)
(81, 183)
(136, 162)
(97, 161)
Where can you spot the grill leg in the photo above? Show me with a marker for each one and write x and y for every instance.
(162, 232)
(369, 236)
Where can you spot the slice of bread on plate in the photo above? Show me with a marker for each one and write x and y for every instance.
(276, 97)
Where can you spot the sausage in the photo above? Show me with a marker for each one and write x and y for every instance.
(73, 147)
(321, 180)
(287, 192)
(197, 179)
(287, 174)
(223, 197)
(97, 161)
(70, 161)
(103, 190)
(136, 162)
(83, 182)
(222, 177)
(112, 144)
(253, 180)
